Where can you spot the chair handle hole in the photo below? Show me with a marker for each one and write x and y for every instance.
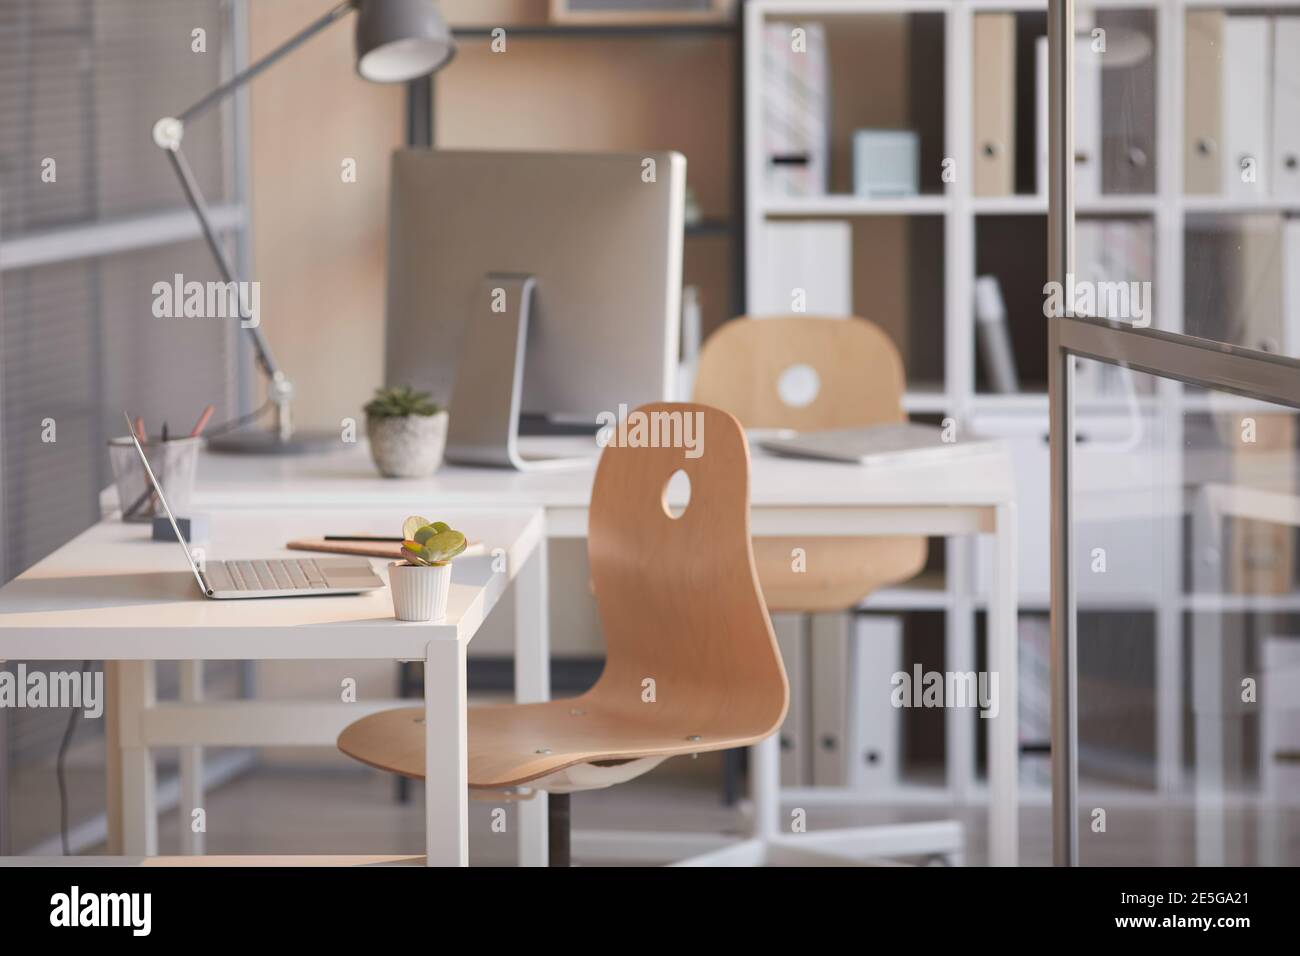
(798, 385)
(677, 494)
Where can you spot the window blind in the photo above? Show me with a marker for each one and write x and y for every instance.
(81, 85)
(91, 216)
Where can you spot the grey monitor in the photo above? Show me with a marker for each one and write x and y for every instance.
(600, 235)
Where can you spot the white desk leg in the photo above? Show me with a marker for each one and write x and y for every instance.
(192, 844)
(137, 800)
(1004, 747)
(446, 751)
(959, 651)
(532, 684)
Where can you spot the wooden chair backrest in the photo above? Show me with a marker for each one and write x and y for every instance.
(679, 598)
(859, 371)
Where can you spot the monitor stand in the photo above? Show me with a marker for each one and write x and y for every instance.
(483, 427)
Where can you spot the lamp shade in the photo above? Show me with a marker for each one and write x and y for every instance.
(400, 40)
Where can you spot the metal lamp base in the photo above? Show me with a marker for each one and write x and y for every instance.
(266, 442)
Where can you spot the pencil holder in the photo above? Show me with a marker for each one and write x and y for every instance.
(173, 463)
(419, 593)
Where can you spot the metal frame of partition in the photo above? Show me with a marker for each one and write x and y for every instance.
(1192, 361)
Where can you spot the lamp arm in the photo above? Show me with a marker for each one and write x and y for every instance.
(168, 133)
(284, 49)
(194, 195)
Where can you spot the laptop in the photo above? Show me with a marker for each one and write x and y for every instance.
(267, 577)
(903, 444)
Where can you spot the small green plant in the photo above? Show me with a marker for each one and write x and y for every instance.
(401, 402)
(430, 544)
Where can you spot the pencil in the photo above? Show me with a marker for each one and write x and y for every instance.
(202, 423)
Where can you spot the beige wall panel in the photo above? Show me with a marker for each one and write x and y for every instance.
(318, 242)
(598, 94)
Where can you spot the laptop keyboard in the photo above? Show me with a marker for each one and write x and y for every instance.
(279, 575)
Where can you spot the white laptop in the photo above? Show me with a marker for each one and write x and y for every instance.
(878, 445)
(267, 577)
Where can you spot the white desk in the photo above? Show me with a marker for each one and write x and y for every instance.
(112, 594)
(972, 495)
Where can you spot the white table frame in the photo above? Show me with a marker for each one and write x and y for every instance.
(140, 723)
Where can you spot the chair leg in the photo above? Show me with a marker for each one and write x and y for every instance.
(557, 827)
(733, 766)
(405, 685)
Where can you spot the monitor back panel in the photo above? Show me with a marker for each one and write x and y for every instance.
(603, 243)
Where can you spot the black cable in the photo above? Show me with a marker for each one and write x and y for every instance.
(59, 768)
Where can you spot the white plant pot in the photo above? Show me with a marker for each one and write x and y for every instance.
(419, 593)
(407, 447)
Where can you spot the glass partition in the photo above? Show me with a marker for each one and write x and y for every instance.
(1183, 527)
(1174, 321)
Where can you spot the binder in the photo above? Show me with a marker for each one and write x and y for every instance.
(796, 755)
(1128, 102)
(1247, 86)
(995, 104)
(796, 111)
(873, 732)
(1087, 121)
(1291, 288)
(1261, 554)
(1035, 699)
(814, 257)
(1040, 115)
(1233, 280)
(1286, 106)
(829, 643)
(1203, 106)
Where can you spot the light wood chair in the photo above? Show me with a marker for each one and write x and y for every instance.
(691, 660)
(860, 382)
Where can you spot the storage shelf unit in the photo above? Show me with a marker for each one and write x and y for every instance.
(963, 215)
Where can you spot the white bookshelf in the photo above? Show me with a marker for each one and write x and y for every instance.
(1167, 208)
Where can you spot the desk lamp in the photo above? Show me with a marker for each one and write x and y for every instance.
(396, 41)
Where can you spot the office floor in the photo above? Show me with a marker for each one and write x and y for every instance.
(339, 809)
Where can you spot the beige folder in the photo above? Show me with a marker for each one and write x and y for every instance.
(995, 104)
(1203, 106)
(831, 635)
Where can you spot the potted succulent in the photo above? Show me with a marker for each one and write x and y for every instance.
(420, 584)
(407, 432)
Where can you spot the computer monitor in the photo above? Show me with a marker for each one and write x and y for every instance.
(581, 253)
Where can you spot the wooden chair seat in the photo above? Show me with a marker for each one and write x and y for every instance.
(838, 572)
(513, 745)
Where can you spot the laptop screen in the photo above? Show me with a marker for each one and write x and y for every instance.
(157, 488)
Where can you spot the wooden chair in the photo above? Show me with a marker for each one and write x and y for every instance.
(859, 378)
(691, 661)
(860, 382)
